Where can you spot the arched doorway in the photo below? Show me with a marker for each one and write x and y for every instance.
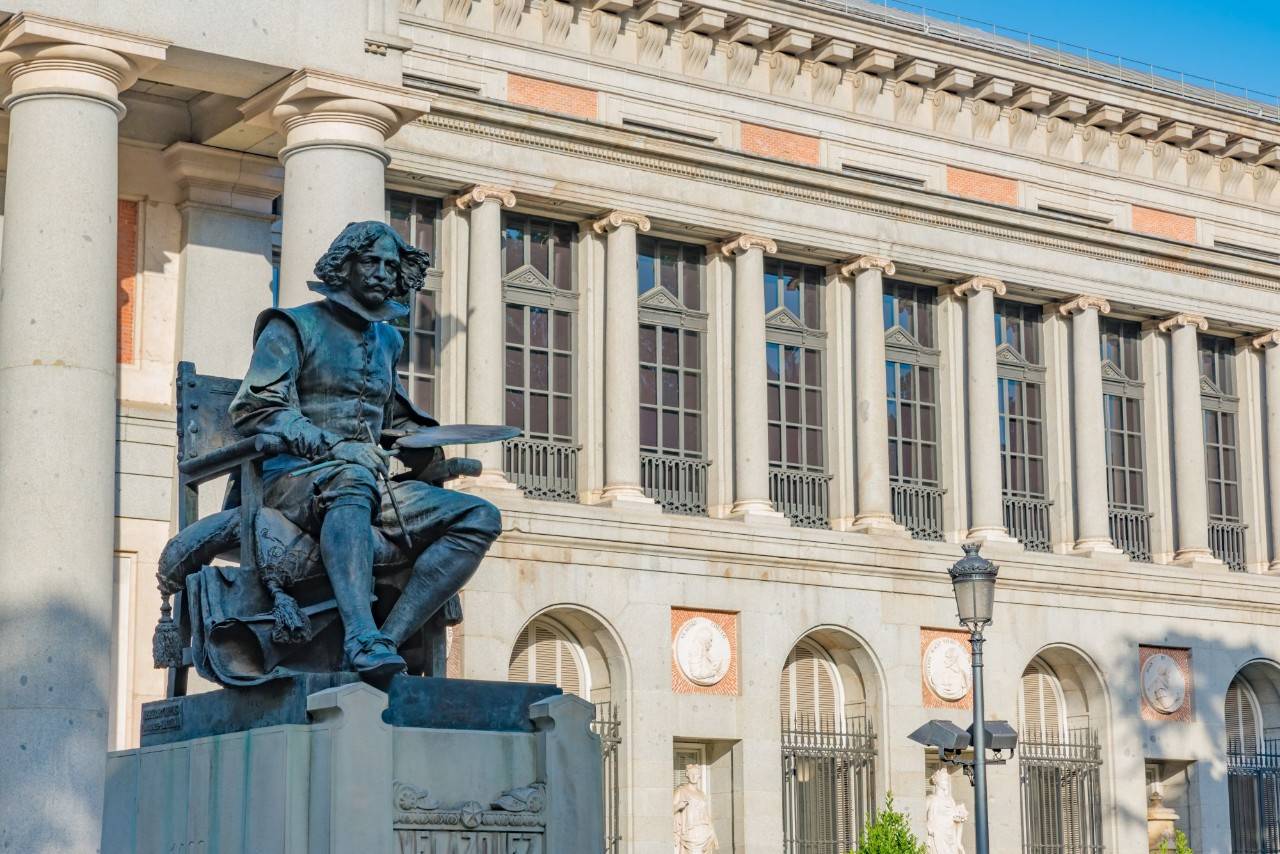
(828, 743)
(574, 650)
(1251, 715)
(1060, 715)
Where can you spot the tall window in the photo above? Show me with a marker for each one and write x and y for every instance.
(911, 381)
(793, 360)
(1020, 381)
(1221, 448)
(416, 220)
(1122, 417)
(1253, 773)
(539, 289)
(673, 320)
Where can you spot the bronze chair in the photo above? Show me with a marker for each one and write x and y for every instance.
(210, 448)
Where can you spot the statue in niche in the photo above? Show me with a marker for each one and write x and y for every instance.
(944, 818)
(695, 831)
(347, 562)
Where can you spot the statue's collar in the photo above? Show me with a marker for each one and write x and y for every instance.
(389, 310)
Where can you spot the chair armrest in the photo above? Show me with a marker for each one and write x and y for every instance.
(229, 458)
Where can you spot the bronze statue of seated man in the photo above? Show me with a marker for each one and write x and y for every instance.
(323, 381)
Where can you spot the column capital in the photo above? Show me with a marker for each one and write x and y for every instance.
(1183, 319)
(861, 263)
(225, 178)
(1267, 339)
(744, 243)
(319, 108)
(616, 219)
(481, 193)
(1084, 302)
(42, 55)
(977, 284)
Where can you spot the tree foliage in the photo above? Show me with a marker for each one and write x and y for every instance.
(890, 833)
(1180, 845)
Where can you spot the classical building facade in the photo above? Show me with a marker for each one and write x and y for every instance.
(789, 299)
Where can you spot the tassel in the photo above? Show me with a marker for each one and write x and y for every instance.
(291, 624)
(166, 643)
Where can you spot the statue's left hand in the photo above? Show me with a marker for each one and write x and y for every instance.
(364, 454)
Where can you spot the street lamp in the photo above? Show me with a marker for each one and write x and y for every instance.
(973, 579)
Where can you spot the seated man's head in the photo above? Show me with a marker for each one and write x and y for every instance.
(373, 263)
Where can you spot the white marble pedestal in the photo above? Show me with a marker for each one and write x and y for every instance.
(348, 781)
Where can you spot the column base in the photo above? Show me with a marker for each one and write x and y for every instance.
(996, 541)
(877, 523)
(628, 497)
(490, 480)
(1274, 568)
(757, 511)
(1098, 548)
(1201, 559)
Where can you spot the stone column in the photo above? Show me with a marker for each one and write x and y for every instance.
(225, 265)
(57, 423)
(986, 493)
(875, 502)
(622, 348)
(1190, 487)
(335, 131)
(1093, 525)
(1269, 344)
(485, 325)
(750, 417)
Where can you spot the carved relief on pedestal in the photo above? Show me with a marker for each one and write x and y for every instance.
(513, 821)
(1164, 683)
(703, 652)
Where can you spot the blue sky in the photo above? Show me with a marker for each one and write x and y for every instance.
(1234, 42)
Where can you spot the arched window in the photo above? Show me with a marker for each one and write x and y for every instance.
(1043, 707)
(810, 690)
(545, 653)
(1243, 719)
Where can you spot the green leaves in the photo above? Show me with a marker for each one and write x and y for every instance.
(890, 833)
(1180, 845)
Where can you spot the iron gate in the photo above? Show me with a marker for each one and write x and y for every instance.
(1062, 794)
(828, 784)
(608, 726)
(1253, 787)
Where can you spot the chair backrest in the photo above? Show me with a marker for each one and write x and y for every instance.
(204, 419)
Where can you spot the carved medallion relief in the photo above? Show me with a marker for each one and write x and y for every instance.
(704, 646)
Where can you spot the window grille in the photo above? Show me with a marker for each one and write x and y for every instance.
(1059, 771)
(672, 324)
(1020, 389)
(1122, 390)
(1220, 409)
(794, 388)
(911, 383)
(1253, 775)
(416, 220)
(539, 285)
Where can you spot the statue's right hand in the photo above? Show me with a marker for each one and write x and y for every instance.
(364, 454)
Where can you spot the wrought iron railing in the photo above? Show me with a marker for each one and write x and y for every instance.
(608, 725)
(1253, 791)
(678, 484)
(542, 469)
(828, 784)
(918, 508)
(1226, 541)
(1027, 520)
(801, 496)
(1061, 793)
(1131, 533)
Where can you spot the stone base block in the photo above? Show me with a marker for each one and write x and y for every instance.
(329, 765)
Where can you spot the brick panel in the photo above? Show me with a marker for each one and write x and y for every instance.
(1182, 657)
(981, 186)
(779, 144)
(551, 97)
(1164, 224)
(928, 697)
(728, 623)
(126, 278)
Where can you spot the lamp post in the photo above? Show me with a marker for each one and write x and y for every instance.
(973, 580)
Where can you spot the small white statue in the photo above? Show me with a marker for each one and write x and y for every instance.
(944, 818)
(694, 831)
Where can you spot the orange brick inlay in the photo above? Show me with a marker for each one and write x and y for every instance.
(1183, 657)
(981, 186)
(726, 620)
(1164, 224)
(551, 97)
(930, 699)
(126, 278)
(779, 144)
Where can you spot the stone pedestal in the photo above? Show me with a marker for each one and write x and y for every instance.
(1160, 824)
(325, 764)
